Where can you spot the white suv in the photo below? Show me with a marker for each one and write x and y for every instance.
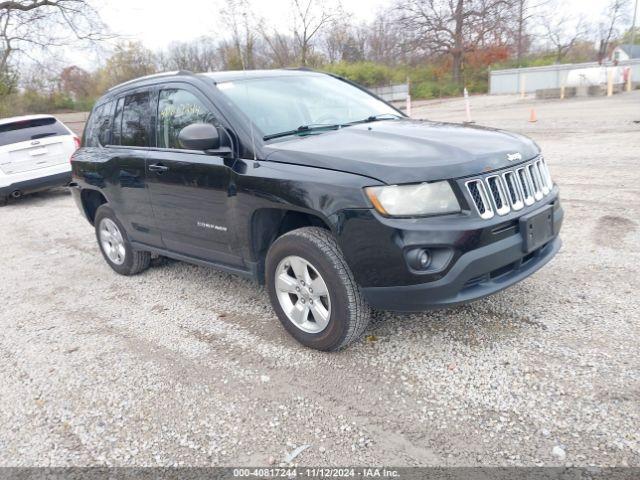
(34, 155)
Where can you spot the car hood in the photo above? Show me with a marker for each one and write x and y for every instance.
(405, 151)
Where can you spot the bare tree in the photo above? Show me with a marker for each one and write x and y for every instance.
(28, 25)
(200, 55)
(524, 12)
(385, 42)
(562, 32)
(454, 27)
(281, 47)
(342, 41)
(238, 16)
(613, 15)
(310, 18)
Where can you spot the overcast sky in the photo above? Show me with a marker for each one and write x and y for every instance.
(159, 22)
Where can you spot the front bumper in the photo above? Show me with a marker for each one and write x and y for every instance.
(485, 257)
(475, 275)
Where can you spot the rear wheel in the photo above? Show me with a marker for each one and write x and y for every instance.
(115, 246)
(313, 291)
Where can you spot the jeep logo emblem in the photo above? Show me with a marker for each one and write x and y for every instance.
(514, 156)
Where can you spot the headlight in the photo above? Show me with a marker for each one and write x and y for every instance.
(413, 200)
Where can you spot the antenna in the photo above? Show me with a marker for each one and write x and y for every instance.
(246, 91)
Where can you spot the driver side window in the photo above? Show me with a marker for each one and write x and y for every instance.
(177, 109)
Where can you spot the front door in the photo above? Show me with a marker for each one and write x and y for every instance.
(189, 189)
(127, 151)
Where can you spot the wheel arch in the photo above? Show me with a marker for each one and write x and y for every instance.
(91, 201)
(267, 224)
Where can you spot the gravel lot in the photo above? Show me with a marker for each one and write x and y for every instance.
(184, 365)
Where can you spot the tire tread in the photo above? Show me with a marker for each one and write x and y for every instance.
(358, 307)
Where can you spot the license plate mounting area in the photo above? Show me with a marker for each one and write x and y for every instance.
(536, 228)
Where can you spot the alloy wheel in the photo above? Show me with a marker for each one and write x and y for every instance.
(303, 294)
(112, 241)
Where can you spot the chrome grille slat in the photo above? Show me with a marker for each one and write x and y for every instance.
(537, 167)
(498, 194)
(533, 174)
(510, 190)
(513, 190)
(480, 198)
(546, 174)
(525, 184)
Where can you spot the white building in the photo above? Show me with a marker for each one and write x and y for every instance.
(625, 52)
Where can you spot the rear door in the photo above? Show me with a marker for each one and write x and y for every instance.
(33, 144)
(189, 189)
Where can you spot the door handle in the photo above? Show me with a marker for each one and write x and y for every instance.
(158, 167)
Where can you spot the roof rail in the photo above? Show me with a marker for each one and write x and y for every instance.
(153, 75)
(301, 69)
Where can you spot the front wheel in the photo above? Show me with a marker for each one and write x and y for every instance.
(313, 291)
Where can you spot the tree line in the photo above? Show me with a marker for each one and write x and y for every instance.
(440, 46)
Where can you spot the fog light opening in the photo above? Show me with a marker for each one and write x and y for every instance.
(419, 259)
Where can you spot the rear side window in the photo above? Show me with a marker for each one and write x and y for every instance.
(98, 131)
(135, 121)
(32, 129)
(177, 109)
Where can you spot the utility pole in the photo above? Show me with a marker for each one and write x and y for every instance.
(633, 24)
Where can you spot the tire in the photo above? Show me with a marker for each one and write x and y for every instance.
(4, 201)
(130, 261)
(317, 251)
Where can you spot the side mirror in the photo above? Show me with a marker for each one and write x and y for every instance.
(199, 136)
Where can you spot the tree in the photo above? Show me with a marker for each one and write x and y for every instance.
(454, 27)
(385, 42)
(130, 60)
(200, 55)
(238, 16)
(28, 25)
(562, 32)
(310, 18)
(344, 42)
(525, 12)
(281, 48)
(613, 15)
(631, 37)
(75, 82)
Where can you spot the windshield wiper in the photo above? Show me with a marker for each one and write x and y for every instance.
(376, 118)
(328, 126)
(304, 129)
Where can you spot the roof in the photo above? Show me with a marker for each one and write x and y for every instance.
(217, 77)
(632, 50)
(235, 75)
(4, 121)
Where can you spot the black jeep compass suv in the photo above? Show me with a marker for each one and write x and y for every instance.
(310, 184)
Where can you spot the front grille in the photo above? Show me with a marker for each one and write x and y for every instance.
(512, 190)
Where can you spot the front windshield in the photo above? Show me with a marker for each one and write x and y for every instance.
(281, 104)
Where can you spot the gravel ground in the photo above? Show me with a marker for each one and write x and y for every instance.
(183, 365)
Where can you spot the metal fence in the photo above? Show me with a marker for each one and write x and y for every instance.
(530, 79)
(392, 93)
